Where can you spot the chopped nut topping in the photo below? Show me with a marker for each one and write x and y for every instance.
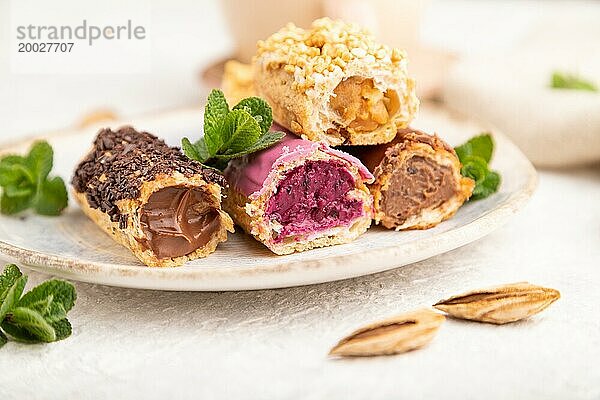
(326, 48)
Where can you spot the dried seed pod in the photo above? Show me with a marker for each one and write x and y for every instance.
(395, 335)
(500, 304)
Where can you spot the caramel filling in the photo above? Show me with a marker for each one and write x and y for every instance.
(362, 106)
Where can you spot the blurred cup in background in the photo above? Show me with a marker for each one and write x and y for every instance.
(395, 23)
(252, 20)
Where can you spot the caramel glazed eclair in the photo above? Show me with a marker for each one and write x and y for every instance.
(334, 83)
(418, 183)
(151, 198)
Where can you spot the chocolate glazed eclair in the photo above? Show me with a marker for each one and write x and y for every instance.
(299, 195)
(418, 183)
(151, 198)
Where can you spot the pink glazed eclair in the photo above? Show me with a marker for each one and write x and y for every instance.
(299, 195)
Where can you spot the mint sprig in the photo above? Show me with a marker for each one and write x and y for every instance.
(561, 80)
(25, 183)
(232, 133)
(474, 155)
(38, 316)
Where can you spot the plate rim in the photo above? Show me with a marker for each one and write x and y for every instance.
(141, 277)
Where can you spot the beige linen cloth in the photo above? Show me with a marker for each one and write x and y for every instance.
(553, 127)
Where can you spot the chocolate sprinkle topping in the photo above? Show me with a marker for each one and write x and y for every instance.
(122, 161)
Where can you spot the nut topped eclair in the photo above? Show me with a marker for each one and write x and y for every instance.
(418, 182)
(334, 83)
(299, 195)
(151, 198)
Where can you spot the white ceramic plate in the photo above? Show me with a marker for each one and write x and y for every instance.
(71, 246)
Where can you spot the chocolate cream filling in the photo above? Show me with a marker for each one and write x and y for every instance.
(415, 185)
(314, 197)
(178, 220)
(362, 106)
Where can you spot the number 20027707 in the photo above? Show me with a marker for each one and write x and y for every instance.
(45, 47)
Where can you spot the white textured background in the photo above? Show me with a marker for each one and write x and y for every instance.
(273, 344)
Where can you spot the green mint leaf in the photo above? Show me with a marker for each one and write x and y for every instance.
(24, 183)
(214, 117)
(55, 312)
(52, 197)
(18, 333)
(189, 149)
(41, 314)
(488, 186)
(269, 139)
(230, 134)
(260, 111)
(240, 130)
(3, 339)
(12, 296)
(196, 151)
(265, 141)
(9, 276)
(63, 293)
(32, 322)
(14, 170)
(18, 191)
(486, 181)
(40, 158)
(14, 205)
(474, 156)
(62, 329)
(200, 146)
(42, 305)
(474, 167)
(562, 80)
(480, 146)
(52, 311)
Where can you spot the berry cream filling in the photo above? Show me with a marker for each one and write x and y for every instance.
(313, 197)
